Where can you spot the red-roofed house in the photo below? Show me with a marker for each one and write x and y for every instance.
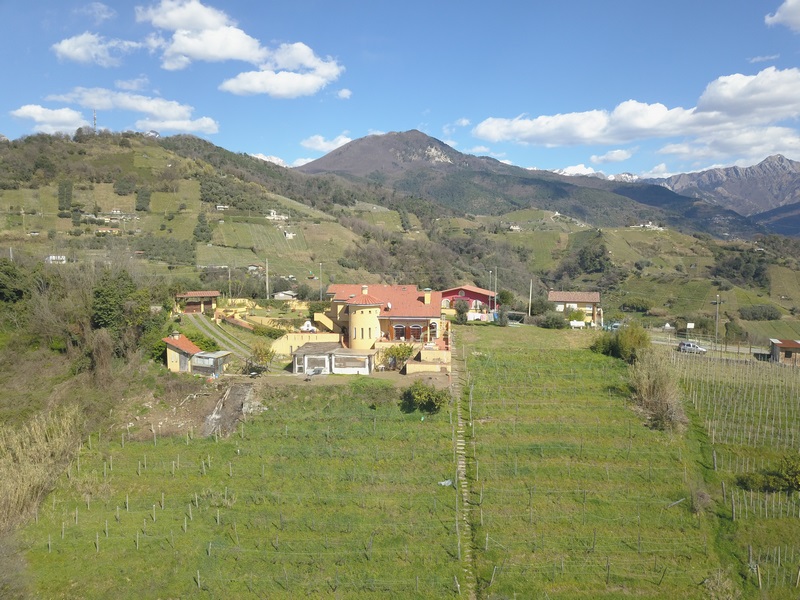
(786, 352)
(183, 356)
(198, 301)
(587, 302)
(478, 299)
(364, 314)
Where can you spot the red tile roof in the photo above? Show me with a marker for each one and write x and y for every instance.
(199, 294)
(398, 300)
(365, 300)
(553, 296)
(183, 344)
(468, 288)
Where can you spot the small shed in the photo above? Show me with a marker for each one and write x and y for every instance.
(785, 352)
(197, 301)
(210, 364)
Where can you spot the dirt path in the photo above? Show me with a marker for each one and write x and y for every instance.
(464, 509)
(225, 340)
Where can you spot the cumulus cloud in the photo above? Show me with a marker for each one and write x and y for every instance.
(92, 48)
(302, 161)
(273, 159)
(580, 169)
(49, 120)
(611, 156)
(319, 143)
(344, 94)
(163, 114)
(731, 107)
(203, 33)
(787, 14)
(97, 11)
(479, 150)
(292, 70)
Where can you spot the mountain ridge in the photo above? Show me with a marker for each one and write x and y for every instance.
(415, 164)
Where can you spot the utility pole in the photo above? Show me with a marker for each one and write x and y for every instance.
(266, 267)
(490, 289)
(530, 298)
(320, 282)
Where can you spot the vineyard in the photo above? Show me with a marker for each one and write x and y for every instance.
(331, 491)
(334, 491)
(572, 495)
(750, 414)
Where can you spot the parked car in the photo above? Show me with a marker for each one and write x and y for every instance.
(691, 347)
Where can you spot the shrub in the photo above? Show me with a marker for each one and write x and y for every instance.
(655, 390)
(760, 312)
(272, 333)
(551, 320)
(626, 343)
(637, 304)
(396, 356)
(462, 308)
(423, 397)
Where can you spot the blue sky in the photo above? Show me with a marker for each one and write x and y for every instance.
(651, 88)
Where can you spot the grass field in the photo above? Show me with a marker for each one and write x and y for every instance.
(327, 493)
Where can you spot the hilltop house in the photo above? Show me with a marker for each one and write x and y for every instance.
(183, 356)
(366, 314)
(587, 302)
(478, 299)
(368, 319)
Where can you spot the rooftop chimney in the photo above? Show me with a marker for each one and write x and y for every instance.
(427, 295)
(364, 290)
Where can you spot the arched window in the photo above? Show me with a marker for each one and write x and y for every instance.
(399, 332)
(416, 332)
(433, 329)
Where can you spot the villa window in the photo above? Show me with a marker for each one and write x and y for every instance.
(416, 332)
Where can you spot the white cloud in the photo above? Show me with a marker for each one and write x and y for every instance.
(344, 94)
(730, 108)
(787, 14)
(451, 143)
(92, 48)
(291, 71)
(660, 170)
(97, 11)
(273, 159)
(189, 15)
(211, 45)
(49, 120)
(479, 150)
(580, 169)
(162, 114)
(319, 143)
(201, 125)
(612, 156)
(203, 33)
(103, 99)
(302, 161)
(450, 128)
(760, 59)
(132, 85)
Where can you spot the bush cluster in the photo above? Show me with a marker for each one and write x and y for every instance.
(626, 343)
(785, 479)
(760, 312)
(423, 397)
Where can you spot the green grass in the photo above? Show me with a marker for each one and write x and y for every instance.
(320, 495)
(572, 496)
